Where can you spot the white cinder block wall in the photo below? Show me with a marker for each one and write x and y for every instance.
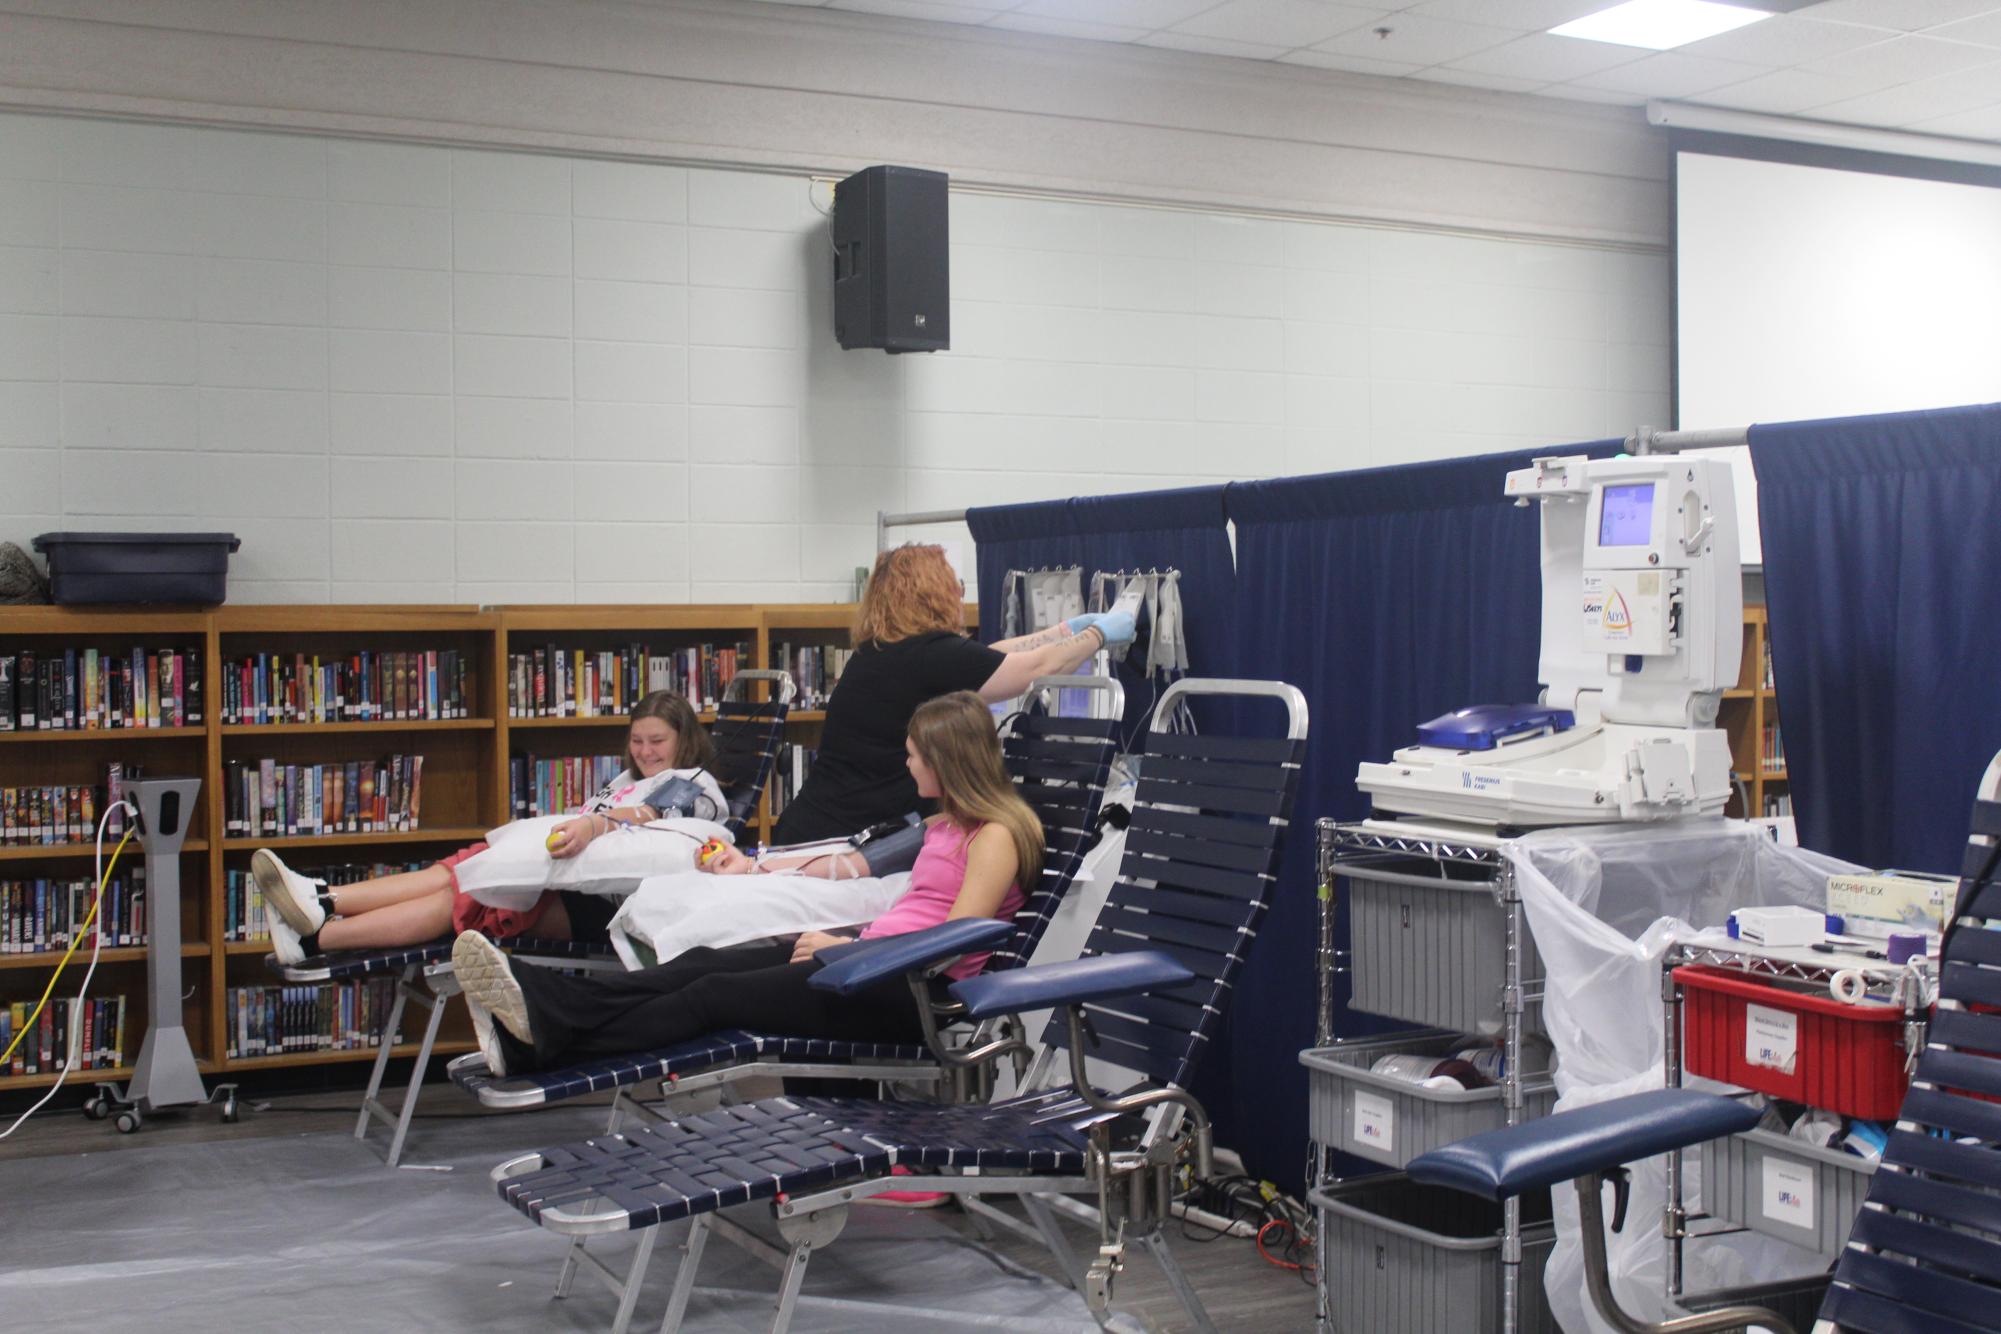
(406, 373)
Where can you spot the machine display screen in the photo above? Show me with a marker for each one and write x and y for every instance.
(1626, 515)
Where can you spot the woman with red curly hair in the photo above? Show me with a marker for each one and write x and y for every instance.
(911, 646)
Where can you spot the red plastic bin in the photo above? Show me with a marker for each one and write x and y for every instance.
(1845, 1058)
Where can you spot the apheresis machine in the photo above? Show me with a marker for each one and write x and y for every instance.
(1642, 630)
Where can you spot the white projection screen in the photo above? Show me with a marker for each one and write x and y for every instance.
(1807, 291)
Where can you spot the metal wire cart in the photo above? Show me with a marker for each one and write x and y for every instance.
(1437, 938)
(1762, 1018)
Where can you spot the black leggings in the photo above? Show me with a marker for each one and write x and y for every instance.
(577, 1017)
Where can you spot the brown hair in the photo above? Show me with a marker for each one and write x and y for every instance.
(693, 749)
(954, 734)
(912, 591)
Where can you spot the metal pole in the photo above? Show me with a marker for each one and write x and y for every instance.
(1647, 440)
(1511, 1097)
(884, 522)
(1674, 1223)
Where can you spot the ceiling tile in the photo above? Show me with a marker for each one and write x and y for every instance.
(1318, 59)
(1784, 39)
(1282, 23)
(1149, 14)
(1211, 46)
(1982, 31)
(1900, 60)
(1055, 27)
(1669, 74)
(1417, 40)
(1470, 78)
(938, 11)
(1902, 15)
(1982, 124)
(1780, 93)
(1521, 15)
(1548, 59)
(1926, 99)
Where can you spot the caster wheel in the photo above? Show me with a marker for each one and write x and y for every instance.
(127, 1122)
(97, 1109)
(231, 1114)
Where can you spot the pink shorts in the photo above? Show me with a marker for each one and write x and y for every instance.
(469, 914)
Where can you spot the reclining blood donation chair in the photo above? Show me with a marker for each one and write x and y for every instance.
(1924, 1256)
(1201, 859)
(1060, 766)
(747, 733)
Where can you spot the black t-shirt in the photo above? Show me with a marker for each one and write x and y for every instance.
(858, 778)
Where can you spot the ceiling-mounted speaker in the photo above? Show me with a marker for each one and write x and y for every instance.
(892, 261)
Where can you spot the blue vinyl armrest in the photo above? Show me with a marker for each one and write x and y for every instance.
(1503, 1163)
(1099, 978)
(848, 967)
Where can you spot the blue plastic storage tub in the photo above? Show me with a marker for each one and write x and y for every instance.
(181, 568)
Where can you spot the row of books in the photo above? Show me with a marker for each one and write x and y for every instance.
(282, 1021)
(364, 687)
(243, 903)
(44, 913)
(814, 668)
(555, 682)
(537, 786)
(1765, 676)
(270, 799)
(90, 689)
(92, 1031)
(1778, 804)
(788, 774)
(64, 812)
(1772, 749)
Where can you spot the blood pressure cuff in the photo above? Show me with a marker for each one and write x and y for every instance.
(888, 853)
(683, 797)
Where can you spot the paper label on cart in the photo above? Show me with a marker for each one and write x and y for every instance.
(1771, 1038)
(1788, 1191)
(1375, 1122)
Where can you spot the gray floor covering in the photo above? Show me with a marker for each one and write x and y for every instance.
(309, 1232)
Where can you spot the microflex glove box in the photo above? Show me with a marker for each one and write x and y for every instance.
(1877, 904)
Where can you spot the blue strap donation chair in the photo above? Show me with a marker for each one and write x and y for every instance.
(1924, 1255)
(1135, 1014)
(1060, 763)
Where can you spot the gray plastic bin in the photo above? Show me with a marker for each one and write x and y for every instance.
(1400, 1258)
(1433, 953)
(1777, 1185)
(1389, 1120)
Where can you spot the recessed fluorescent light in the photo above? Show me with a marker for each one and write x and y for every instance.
(1659, 25)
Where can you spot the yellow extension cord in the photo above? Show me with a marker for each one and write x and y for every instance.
(76, 938)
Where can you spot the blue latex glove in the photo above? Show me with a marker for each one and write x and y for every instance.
(1117, 627)
(1079, 624)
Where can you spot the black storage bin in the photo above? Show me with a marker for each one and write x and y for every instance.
(131, 568)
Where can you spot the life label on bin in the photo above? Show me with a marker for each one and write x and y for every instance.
(1788, 1192)
(1375, 1122)
(1771, 1038)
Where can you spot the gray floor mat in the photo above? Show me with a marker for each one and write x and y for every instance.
(311, 1233)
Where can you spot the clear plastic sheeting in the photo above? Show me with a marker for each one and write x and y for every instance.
(308, 1234)
(1605, 905)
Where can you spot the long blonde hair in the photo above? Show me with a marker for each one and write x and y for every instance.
(912, 591)
(954, 734)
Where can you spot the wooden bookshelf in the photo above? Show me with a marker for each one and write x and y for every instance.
(465, 777)
(1749, 708)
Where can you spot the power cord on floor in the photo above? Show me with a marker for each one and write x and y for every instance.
(1279, 1221)
(72, 1052)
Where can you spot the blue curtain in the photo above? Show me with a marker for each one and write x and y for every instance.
(1389, 596)
(1183, 529)
(1882, 541)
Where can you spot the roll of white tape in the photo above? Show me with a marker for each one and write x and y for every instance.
(1848, 986)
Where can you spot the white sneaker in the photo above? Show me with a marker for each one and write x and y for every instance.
(285, 942)
(288, 894)
(489, 1044)
(487, 976)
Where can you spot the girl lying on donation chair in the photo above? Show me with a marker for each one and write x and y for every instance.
(530, 877)
(984, 844)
